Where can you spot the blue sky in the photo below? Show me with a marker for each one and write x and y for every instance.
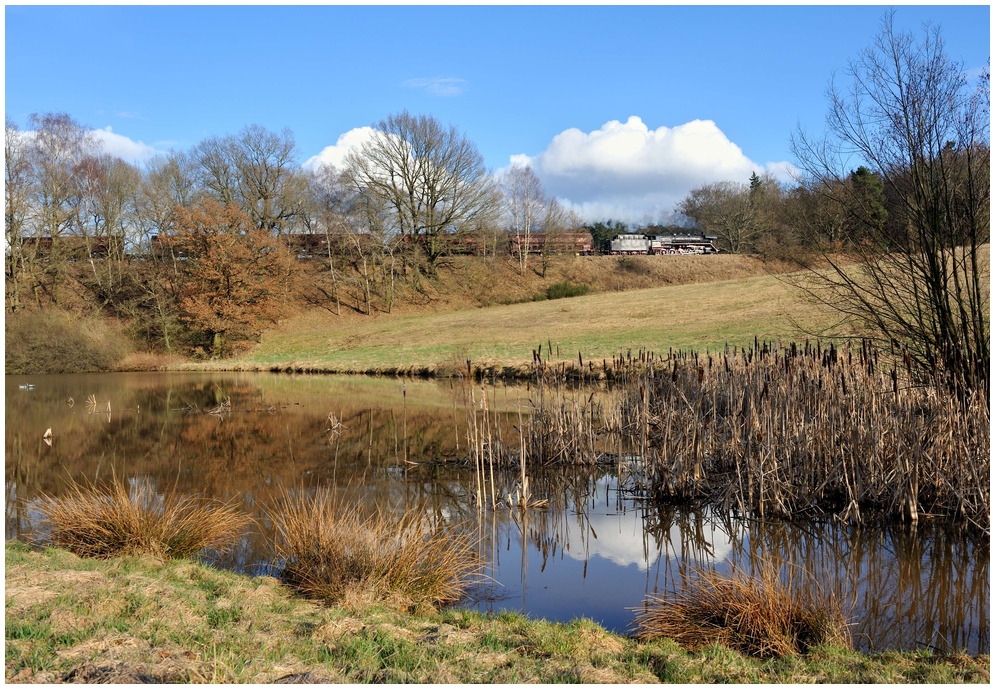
(717, 90)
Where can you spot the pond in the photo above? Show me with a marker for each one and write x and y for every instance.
(595, 551)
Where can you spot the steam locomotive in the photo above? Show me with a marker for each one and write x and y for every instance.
(658, 244)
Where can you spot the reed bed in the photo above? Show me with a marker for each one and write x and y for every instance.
(787, 431)
(771, 430)
(329, 550)
(118, 519)
(760, 616)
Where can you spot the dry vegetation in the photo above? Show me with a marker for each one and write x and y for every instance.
(761, 617)
(794, 430)
(108, 521)
(331, 551)
(771, 430)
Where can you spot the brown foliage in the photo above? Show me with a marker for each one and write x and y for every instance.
(234, 278)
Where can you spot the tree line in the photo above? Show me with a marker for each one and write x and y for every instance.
(198, 245)
(193, 246)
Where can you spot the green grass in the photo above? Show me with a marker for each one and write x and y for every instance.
(701, 316)
(130, 619)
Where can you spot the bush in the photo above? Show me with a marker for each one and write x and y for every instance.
(120, 520)
(328, 550)
(561, 290)
(760, 616)
(53, 341)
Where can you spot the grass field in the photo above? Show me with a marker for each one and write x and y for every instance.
(700, 316)
(130, 620)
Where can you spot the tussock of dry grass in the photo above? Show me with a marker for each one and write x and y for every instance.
(108, 521)
(332, 552)
(760, 617)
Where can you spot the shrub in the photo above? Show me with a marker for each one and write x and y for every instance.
(561, 290)
(760, 616)
(52, 341)
(327, 550)
(114, 520)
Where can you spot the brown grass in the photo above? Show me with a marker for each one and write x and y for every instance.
(108, 521)
(332, 552)
(761, 617)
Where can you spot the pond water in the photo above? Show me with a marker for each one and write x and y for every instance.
(595, 551)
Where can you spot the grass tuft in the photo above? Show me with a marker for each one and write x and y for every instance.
(110, 521)
(330, 551)
(760, 617)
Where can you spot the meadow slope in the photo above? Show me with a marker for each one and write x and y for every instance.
(700, 316)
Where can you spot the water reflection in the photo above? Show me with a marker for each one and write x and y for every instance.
(595, 552)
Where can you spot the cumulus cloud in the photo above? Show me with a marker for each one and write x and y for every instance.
(630, 172)
(336, 153)
(438, 86)
(123, 147)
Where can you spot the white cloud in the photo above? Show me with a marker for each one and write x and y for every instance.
(336, 153)
(123, 147)
(629, 172)
(438, 86)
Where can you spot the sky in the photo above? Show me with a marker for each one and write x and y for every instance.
(620, 110)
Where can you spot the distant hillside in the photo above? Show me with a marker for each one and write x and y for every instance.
(440, 336)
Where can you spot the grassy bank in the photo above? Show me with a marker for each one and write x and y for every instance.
(701, 316)
(131, 619)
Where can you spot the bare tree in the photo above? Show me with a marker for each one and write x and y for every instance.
(105, 215)
(910, 116)
(431, 178)
(58, 145)
(724, 209)
(555, 221)
(17, 190)
(330, 214)
(169, 182)
(255, 170)
(526, 207)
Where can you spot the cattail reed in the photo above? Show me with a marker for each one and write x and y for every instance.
(776, 430)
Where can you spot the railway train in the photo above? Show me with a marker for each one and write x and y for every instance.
(318, 245)
(659, 244)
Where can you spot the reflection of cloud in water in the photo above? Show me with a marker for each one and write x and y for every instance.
(621, 538)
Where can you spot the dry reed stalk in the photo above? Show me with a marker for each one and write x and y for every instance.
(783, 430)
(759, 616)
(774, 430)
(109, 521)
